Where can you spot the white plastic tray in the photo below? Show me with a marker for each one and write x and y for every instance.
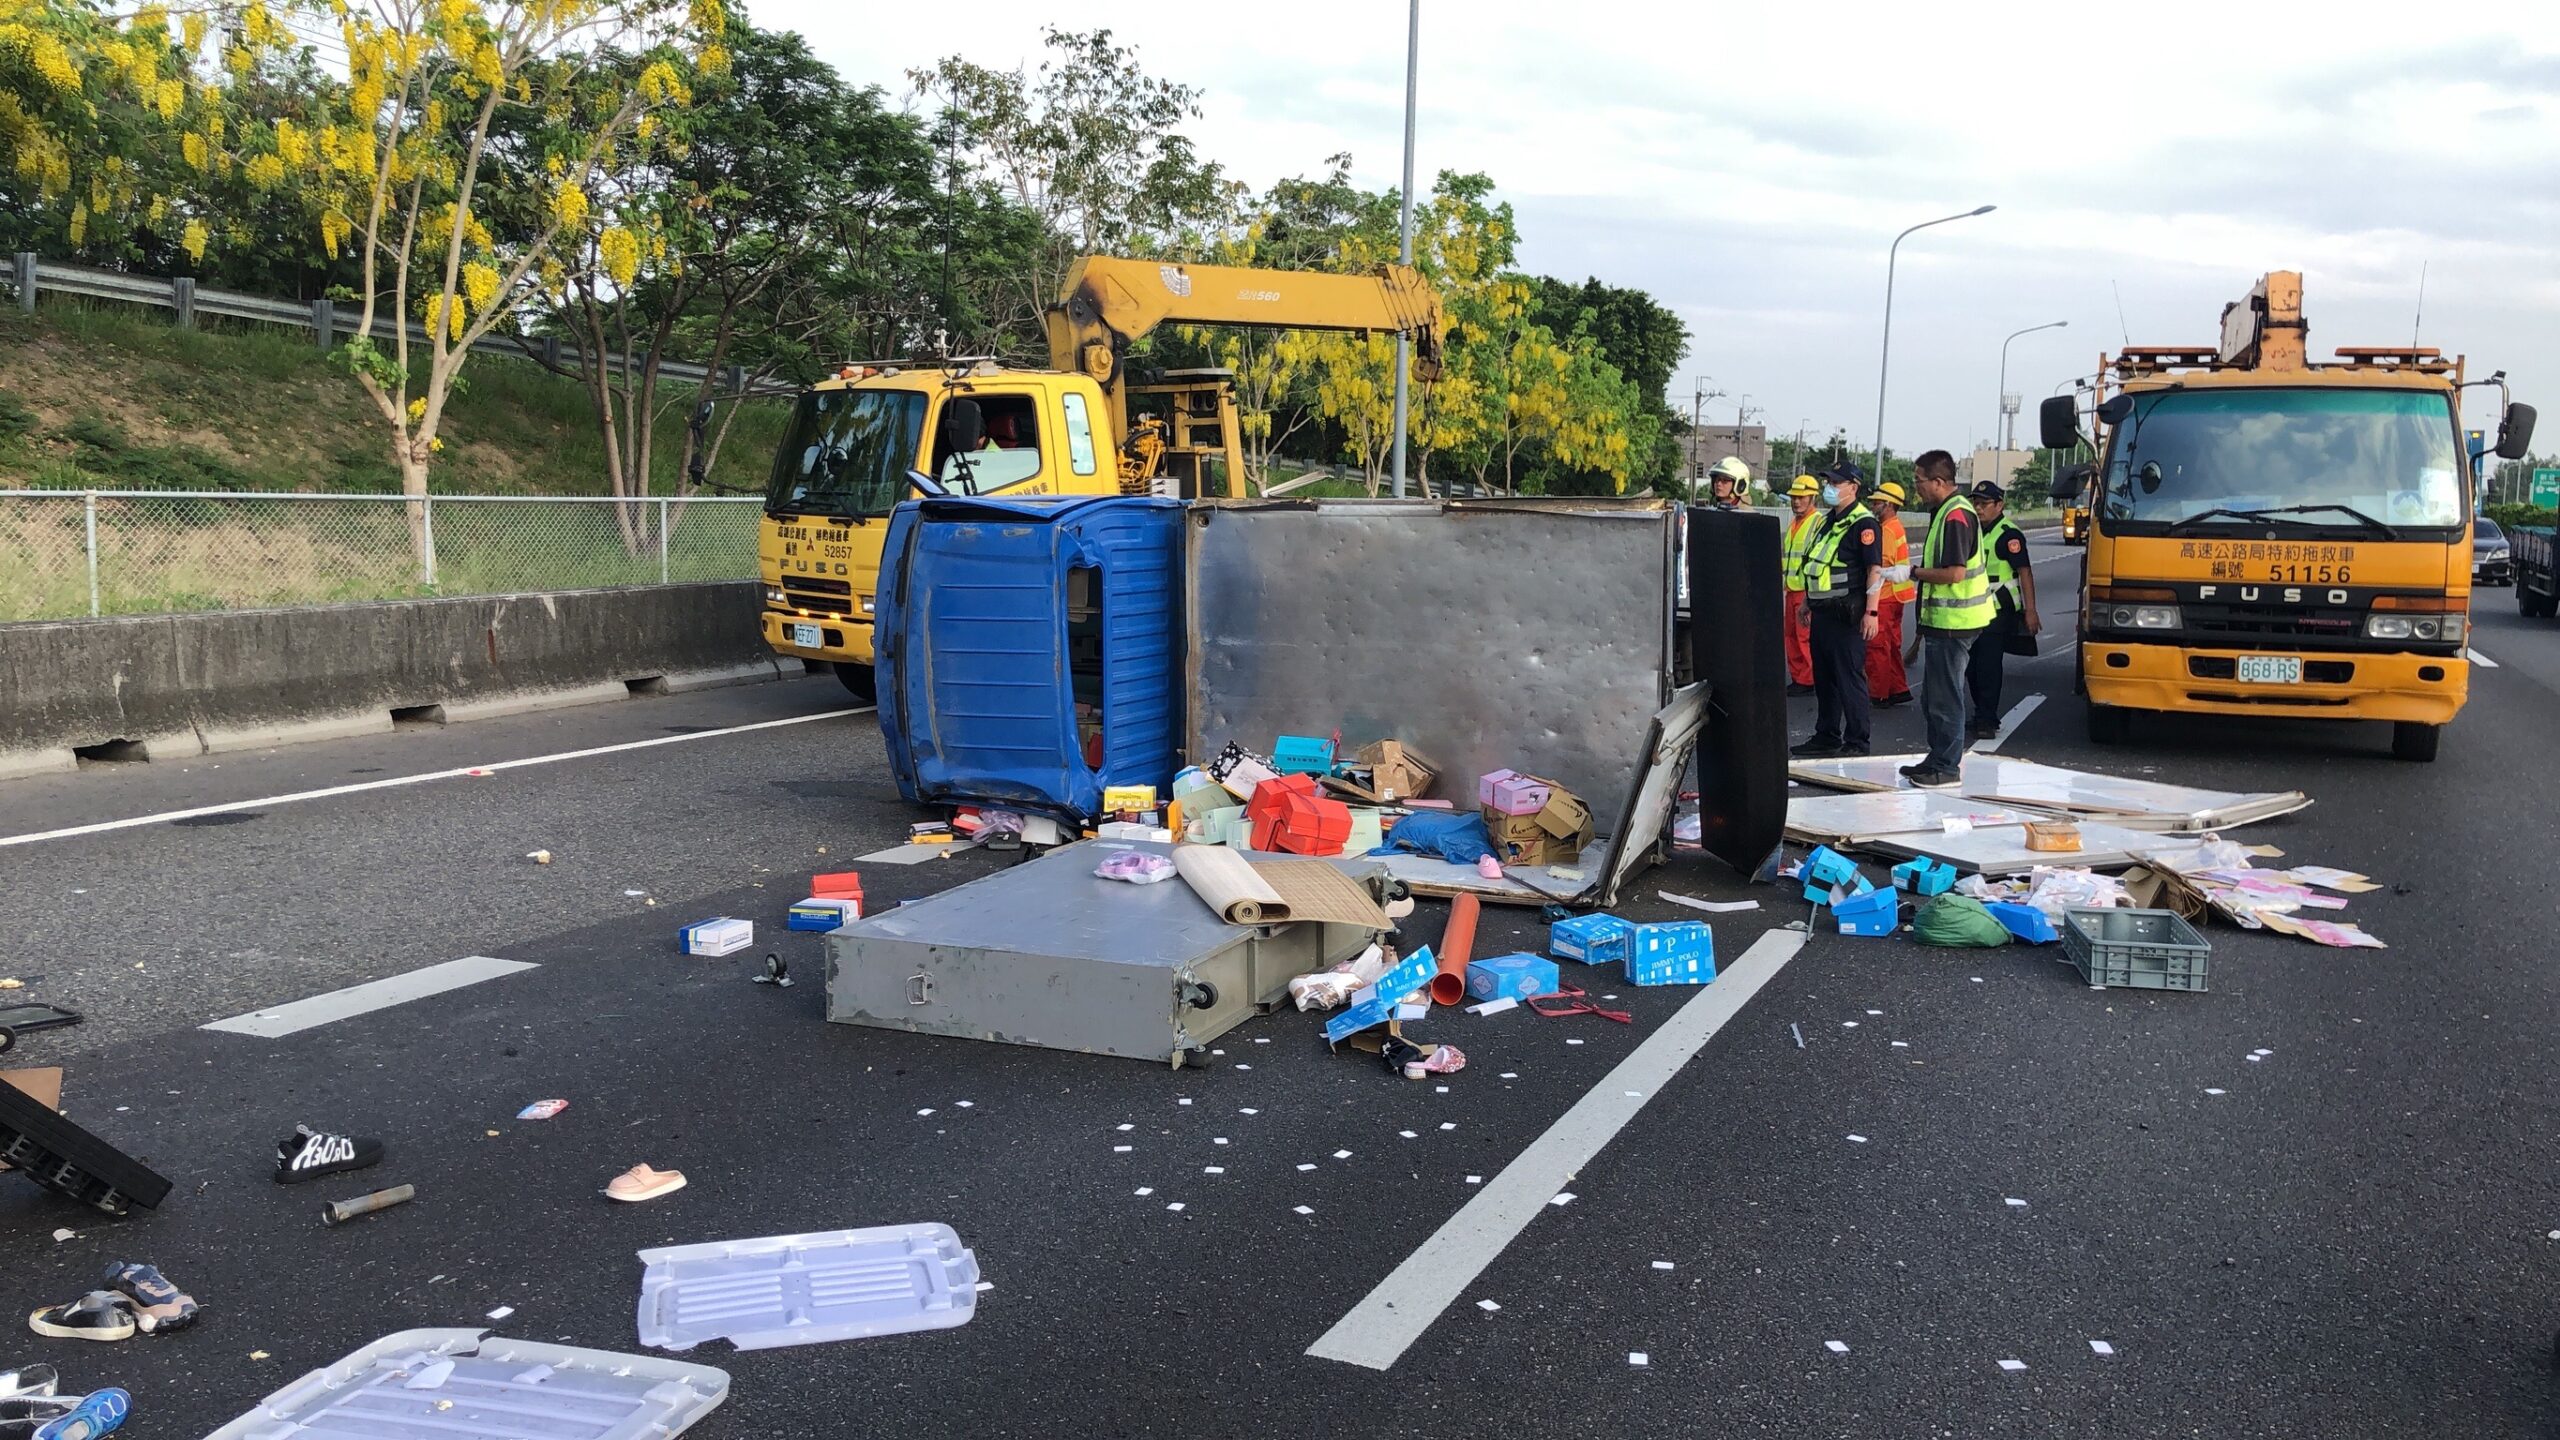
(804, 1289)
(490, 1389)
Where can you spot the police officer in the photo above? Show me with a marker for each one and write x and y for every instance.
(1800, 528)
(2013, 597)
(1955, 606)
(1726, 482)
(1843, 584)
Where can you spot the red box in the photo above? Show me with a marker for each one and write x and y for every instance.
(841, 885)
(1288, 814)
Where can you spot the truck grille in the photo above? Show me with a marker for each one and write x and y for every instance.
(2272, 622)
(825, 597)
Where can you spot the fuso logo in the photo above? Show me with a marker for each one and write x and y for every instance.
(2254, 593)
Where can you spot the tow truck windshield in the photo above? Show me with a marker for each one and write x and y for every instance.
(848, 453)
(2380, 462)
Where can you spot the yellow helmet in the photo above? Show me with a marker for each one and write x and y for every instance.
(1806, 486)
(1892, 491)
(1732, 468)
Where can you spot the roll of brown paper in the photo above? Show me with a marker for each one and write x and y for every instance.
(1457, 947)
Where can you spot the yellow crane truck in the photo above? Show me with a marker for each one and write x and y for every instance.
(2273, 535)
(876, 434)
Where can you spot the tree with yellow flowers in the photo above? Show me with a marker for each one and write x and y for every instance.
(421, 188)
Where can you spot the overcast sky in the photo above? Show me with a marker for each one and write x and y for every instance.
(1749, 166)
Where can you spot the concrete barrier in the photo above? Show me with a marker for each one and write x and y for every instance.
(154, 686)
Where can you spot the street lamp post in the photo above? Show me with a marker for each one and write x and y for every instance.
(1884, 363)
(1404, 346)
(2000, 446)
(1699, 395)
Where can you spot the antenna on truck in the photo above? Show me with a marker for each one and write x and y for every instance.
(2422, 305)
(2121, 327)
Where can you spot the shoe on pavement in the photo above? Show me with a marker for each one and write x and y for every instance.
(98, 1315)
(100, 1412)
(309, 1154)
(1795, 689)
(1846, 751)
(1935, 779)
(1815, 749)
(1889, 701)
(1914, 768)
(158, 1306)
(643, 1183)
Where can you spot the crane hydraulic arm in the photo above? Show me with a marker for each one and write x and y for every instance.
(1107, 303)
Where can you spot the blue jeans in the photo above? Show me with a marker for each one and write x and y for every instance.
(1943, 658)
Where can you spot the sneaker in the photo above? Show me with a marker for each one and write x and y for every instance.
(1917, 768)
(1845, 751)
(1795, 689)
(1887, 702)
(307, 1154)
(100, 1412)
(158, 1306)
(1935, 779)
(98, 1315)
(1815, 749)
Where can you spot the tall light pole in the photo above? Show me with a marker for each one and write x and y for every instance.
(2000, 446)
(1884, 364)
(1699, 395)
(1404, 346)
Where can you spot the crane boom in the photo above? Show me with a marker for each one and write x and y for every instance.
(1107, 303)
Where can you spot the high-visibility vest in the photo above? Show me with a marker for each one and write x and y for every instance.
(1825, 578)
(1996, 566)
(1897, 551)
(1799, 536)
(1966, 604)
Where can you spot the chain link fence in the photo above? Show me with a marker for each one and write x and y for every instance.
(67, 553)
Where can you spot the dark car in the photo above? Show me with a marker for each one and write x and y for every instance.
(2491, 564)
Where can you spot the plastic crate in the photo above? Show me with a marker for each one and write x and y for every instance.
(2140, 949)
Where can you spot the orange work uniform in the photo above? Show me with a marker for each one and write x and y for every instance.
(1885, 678)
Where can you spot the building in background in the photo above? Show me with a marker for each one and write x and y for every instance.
(1712, 443)
(1989, 464)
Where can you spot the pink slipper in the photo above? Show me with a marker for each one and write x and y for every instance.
(642, 1183)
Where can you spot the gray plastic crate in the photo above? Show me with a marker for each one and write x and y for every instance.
(2140, 949)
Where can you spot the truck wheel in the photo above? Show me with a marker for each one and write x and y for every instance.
(862, 680)
(2543, 605)
(2109, 724)
(2526, 600)
(2413, 741)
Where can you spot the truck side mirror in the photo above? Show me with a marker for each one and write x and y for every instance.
(926, 485)
(2069, 480)
(2116, 408)
(964, 426)
(2515, 433)
(2059, 418)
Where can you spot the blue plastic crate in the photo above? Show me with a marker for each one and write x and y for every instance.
(1375, 1003)
(1924, 877)
(1875, 912)
(1677, 952)
(1591, 939)
(2024, 921)
(1514, 976)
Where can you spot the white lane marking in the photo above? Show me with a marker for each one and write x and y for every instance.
(2483, 661)
(1391, 1317)
(164, 817)
(373, 995)
(2009, 724)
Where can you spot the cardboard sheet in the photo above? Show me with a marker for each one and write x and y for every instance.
(2131, 804)
(1999, 850)
(1275, 891)
(1845, 820)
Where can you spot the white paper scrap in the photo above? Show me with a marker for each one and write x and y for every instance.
(1835, 1347)
(1487, 1306)
(1956, 825)
(1712, 907)
(2013, 1365)
(502, 1312)
(924, 1112)
(1122, 1149)
(1242, 1066)
(1639, 1359)
(2015, 1203)
(1448, 1124)
(1857, 1139)
(1494, 1007)
(1662, 1265)
(1218, 1140)
(1185, 1100)
(1563, 1197)
(1176, 1205)
(61, 1235)
(1875, 1012)
(1341, 1154)
(1306, 1210)
(1213, 1169)
(1573, 1042)
(2101, 1347)
(903, 855)
(1478, 1180)
(1125, 1128)
(1310, 1165)
(2210, 1090)
(1145, 1190)
(1848, 1024)
(1509, 1075)
(968, 1104)
(1901, 1044)
(1248, 1110)
(985, 1285)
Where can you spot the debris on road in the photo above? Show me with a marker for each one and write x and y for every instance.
(776, 972)
(720, 935)
(832, 1285)
(643, 1182)
(542, 1109)
(486, 1388)
(539, 857)
(342, 1211)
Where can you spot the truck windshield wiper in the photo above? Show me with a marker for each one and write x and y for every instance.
(2285, 515)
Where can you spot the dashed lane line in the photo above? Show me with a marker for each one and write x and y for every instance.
(279, 1020)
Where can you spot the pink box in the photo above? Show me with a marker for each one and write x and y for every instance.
(1508, 792)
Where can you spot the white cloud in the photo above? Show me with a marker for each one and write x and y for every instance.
(1749, 165)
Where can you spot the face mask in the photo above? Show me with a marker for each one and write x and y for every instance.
(1830, 495)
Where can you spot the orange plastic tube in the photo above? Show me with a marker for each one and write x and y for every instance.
(1457, 947)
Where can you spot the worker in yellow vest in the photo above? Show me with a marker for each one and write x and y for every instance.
(1795, 626)
(1955, 608)
(1886, 680)
(1843, 574)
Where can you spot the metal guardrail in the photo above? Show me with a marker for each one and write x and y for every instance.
(182, 296)
(68, 553)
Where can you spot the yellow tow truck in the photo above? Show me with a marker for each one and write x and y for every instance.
(2273, 535)
(879, 433)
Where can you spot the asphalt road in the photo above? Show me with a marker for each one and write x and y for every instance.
(2352, 1239)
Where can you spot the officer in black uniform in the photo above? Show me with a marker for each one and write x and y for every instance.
(1843, 584)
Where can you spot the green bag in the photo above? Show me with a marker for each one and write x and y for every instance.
(1953, 919)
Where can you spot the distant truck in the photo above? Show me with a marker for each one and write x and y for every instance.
(2537, 556)
(2273, 535)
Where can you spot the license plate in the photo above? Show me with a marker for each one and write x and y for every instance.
(2271, 669)
(810, 637)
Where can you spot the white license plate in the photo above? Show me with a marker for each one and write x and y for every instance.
(2271, 669)
(810, 637)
